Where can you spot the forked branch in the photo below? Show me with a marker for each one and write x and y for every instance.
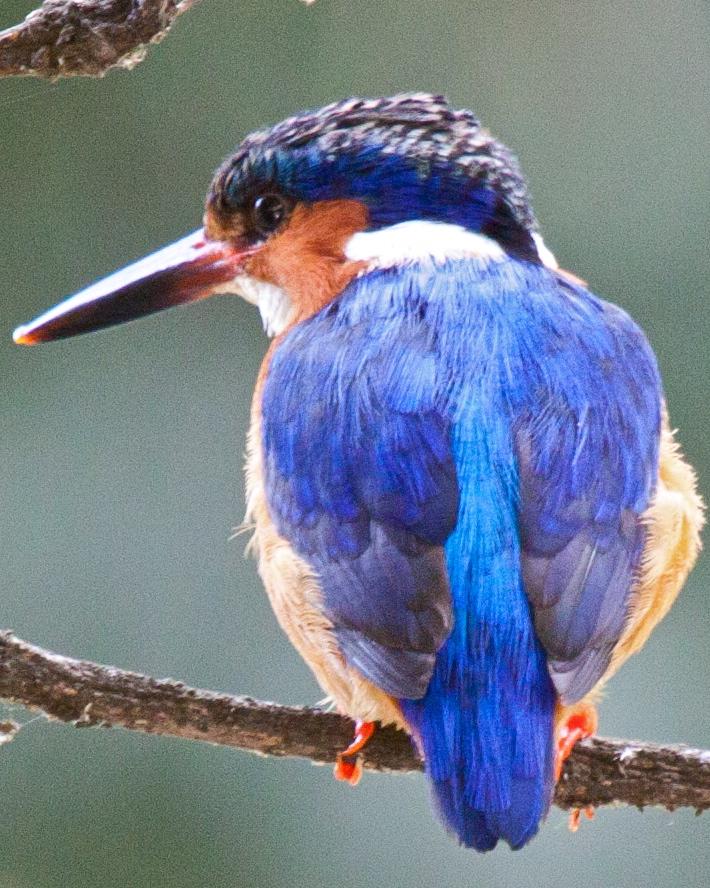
(599, 771)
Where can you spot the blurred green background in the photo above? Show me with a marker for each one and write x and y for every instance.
(122, 452)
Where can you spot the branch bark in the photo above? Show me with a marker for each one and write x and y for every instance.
(599, 771)
(66, 38)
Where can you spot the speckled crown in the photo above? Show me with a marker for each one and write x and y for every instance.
(418, 127)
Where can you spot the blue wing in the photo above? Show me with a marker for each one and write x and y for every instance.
(587, 445)
(555, 403)
(499, 390)
(358, 409)
(361, 480)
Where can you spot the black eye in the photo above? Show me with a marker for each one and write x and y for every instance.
(269, 212)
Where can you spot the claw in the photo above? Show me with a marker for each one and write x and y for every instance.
(581, 723)
(575, 815)
(348, 764)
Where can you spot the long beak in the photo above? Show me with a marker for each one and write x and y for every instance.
(190, 269)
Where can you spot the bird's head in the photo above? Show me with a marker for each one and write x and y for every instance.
(300, 209)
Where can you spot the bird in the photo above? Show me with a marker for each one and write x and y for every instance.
(468, 505)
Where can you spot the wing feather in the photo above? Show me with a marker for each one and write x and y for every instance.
(588, 461)
(361, 480)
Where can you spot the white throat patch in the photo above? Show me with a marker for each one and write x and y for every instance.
(275, 308)
(411, 241)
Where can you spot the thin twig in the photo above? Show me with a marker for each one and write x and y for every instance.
(66, 38)
(599, 771)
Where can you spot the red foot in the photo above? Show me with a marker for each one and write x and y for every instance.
(579, 725)
(575, 815)
(348, 764)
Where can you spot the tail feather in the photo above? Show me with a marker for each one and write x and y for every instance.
(485, 725)
(487, 742)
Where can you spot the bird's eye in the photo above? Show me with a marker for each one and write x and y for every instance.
(269, 212)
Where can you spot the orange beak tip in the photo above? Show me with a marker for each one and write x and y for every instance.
(21, 336)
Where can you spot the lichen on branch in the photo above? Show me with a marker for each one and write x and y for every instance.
(65, 38)
(599, 771)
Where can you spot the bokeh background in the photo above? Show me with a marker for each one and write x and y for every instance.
(120, 477)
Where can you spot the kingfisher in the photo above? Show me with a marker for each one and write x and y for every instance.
(468, 504)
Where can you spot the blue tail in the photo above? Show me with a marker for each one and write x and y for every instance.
(486, 724)
(486, 732)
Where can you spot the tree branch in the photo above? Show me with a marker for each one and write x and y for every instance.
(66, 38)
(599, 771)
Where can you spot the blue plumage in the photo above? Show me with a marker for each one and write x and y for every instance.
(463, 450)
(473, 442)
(394, 188)
(405, 158)
(363, 482)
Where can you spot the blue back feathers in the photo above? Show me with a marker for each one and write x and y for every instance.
(463, 452)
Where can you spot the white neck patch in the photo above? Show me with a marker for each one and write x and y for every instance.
(547, 257)
(400, 244)
(411, 241)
